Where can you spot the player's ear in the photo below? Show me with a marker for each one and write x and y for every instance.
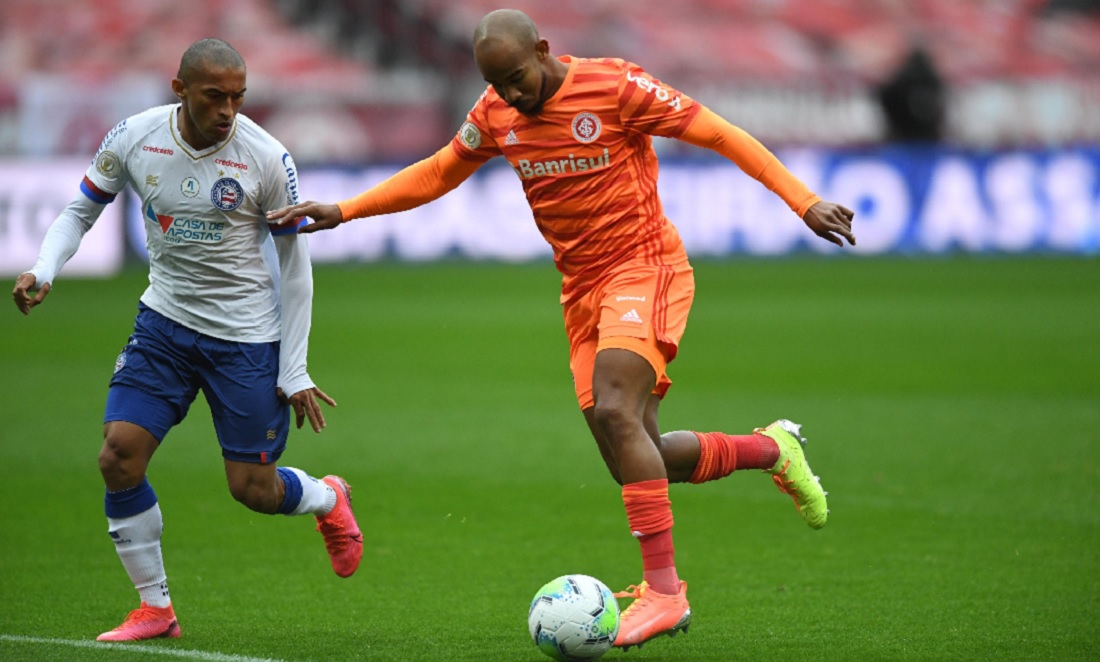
(542, 49)
(179, 88)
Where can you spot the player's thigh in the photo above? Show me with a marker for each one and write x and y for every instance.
(154, 380)
(239, 381)
(623, 379)
(643, 309)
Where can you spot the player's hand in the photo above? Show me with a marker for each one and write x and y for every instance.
(325, 217)
(306, 406)
(831, 221)
(24, 286)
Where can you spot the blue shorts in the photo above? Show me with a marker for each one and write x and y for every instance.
(160, 371)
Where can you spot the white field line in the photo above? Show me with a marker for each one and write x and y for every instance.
(135, 648)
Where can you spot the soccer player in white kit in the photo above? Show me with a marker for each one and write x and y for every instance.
(227, 311)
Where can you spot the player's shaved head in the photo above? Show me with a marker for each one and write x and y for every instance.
(207, 54)
(210, 85)
(505, 27)
(516, 61)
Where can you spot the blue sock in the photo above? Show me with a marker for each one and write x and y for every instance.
(131, 501)
(293, 494)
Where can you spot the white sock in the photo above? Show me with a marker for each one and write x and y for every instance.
(317, 497)
(137, 542)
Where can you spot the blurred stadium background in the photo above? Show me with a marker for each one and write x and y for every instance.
(367, 80)
(948, 124)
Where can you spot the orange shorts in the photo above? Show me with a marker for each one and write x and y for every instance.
(637, 307)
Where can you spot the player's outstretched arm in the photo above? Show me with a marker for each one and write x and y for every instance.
(325, 216)
(831, 221)
(828, 220)
(22, 293)
(412, 186)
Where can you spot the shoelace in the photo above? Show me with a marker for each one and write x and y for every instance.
(632, 591)
(335, 538)
(639, 593)
(787, 486)
(141, 615)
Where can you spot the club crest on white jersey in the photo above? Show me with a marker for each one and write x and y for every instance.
(227, 194)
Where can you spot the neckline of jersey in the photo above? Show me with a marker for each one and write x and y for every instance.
(190, 151)
(571, 62)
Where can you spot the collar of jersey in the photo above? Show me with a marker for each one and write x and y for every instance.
(187, 149)
(565, 83)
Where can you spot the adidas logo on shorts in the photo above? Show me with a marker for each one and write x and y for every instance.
(631, 316)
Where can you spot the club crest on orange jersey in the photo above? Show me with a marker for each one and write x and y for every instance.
(586, 127)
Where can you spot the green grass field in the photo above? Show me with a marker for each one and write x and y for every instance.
(952, 408)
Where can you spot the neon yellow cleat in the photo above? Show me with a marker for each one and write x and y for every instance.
(792, 474)
(651, 615)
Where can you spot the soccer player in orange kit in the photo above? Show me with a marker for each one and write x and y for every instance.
(577, 132)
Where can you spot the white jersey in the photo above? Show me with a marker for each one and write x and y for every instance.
(212, 265)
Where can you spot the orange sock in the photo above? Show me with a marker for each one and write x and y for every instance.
(649, 513)
(721, 454)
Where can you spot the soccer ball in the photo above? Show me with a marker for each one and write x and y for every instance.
(574, 617)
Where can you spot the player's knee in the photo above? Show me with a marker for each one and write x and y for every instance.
(613, 419)
(116, 461)
(108, 460)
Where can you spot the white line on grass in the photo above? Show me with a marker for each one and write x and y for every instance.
(136, 648)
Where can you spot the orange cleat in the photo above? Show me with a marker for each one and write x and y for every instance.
(651, 615)
(343, 540)
(145, 623)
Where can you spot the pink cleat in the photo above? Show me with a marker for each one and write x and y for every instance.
(343, 540)
(145, 623)
(652, 614)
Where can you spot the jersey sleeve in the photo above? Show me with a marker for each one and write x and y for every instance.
(474, 140)
(713, 132)
(103, 181)
(107, 175)
(412, 186)
(649, 106)
(281, 189)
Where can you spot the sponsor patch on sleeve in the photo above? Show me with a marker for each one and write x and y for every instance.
(107, 164)
(470, 135)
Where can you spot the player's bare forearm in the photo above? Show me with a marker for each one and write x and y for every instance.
(325, 216)
(21, 293)
(831, 222)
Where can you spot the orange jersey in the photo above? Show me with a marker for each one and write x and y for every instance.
(587, 164)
